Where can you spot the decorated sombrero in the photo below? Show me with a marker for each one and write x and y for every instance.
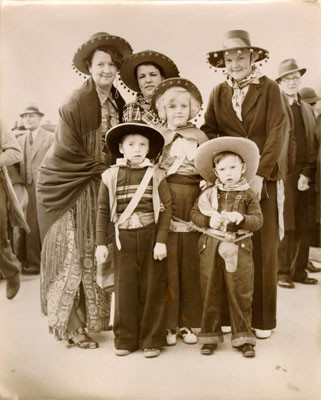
(235, 40)
(96, 40)
(177, 82)
(129, 67)
(245, 148)
(116, 133)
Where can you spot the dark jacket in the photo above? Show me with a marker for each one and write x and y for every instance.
(264, 121)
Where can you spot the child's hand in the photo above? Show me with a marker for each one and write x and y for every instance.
(160, 251)
(101, 254)
(234, 216)
(216, 220)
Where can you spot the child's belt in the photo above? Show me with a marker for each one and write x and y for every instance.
(220, 235)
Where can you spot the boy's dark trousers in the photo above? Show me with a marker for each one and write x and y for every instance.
(140, 291)
(216, 282)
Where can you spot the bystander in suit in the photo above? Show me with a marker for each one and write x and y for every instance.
(35, 142)
(294, 248)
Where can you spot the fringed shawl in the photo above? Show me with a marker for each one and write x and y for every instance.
(67, 167)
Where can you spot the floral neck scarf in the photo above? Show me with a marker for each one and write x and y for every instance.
(241, 88)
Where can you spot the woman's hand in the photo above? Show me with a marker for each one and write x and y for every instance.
(160, 251)
(101, 254)
(303, 183)
(216, 220)
(257, 184)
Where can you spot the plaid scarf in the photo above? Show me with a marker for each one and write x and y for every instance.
(241, 88)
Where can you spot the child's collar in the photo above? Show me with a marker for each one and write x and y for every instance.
(123, 162)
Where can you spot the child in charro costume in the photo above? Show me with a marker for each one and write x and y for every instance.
(135, 198)
(228, 211)
(178, 101)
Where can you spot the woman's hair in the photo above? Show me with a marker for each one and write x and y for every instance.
(220, 156)
(117, 58)
(158, 67)
(170, 95)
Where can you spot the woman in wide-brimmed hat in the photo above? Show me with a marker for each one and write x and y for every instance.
(142, 72)
(67, 189)
(249, 105)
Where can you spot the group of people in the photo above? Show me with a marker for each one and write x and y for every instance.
(196, 227)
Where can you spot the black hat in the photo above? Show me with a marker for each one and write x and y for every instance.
(128, 68)
(96, 40)
(115, 135)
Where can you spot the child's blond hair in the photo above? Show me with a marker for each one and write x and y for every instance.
(170, 95)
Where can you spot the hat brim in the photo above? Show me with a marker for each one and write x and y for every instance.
(245, 148)
(83, 52)
(311, 99)
(216, 58)
(115, 135)
(32, 112)
(128, 68)
(301, 70)
(177, 82)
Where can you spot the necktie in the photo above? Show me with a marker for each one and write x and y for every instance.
(30, 138)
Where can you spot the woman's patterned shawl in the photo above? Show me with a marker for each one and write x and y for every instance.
(67, 168)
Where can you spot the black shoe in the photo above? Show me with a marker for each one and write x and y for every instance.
(307, 281)
(248, 350)
(208, 349)
(13, 285)
(286, 284)
(30, 270)
(311, 268)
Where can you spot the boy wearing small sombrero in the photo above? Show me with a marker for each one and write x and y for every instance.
(135, 198)
(228, 212)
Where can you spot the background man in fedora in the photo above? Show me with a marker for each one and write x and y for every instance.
(34, 142)
(295, 245)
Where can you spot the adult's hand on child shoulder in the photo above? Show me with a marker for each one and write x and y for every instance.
(101, 254)
(160, 251)
(257, 184)
(216, 220)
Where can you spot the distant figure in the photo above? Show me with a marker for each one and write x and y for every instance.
(34, 142)
(10, 153)
(298, 191)
(308, 95)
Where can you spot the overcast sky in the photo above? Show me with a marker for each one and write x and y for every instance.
(39, 41)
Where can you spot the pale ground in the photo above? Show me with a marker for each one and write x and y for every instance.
(35, 366)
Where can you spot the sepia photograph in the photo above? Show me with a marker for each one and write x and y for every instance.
(160, 200)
